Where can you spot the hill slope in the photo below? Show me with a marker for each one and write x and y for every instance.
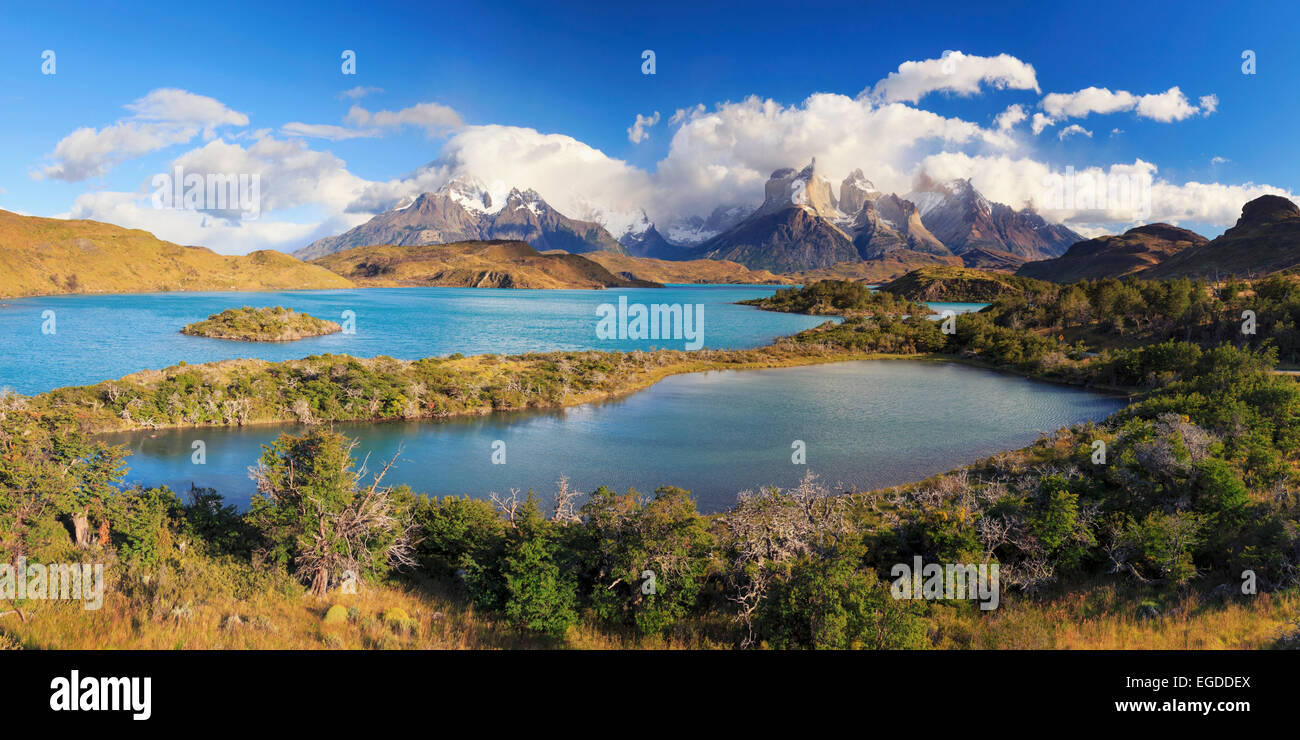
(472, 264)
(1265, 240)
(46, 256)
(684, 271)
(959, 284)
(1115, 256)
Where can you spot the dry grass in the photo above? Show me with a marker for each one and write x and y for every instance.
(439, 619)
(1098, 615)
(46, 256)
(1104, 616)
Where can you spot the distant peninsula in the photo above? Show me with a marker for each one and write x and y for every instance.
(473, 264)
(250, 324)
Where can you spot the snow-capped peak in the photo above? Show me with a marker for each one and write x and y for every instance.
(472, 195)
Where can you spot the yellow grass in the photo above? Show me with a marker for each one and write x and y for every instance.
(1103, 616)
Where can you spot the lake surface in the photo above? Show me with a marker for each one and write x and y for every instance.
(864, 424)
(102, 337)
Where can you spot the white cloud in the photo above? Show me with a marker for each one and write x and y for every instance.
(434, 118)
(637, 133)
(955, 72)
(1168, 106)
(719, 155)
(1022, 182)
(682, 114)
(327, 131)
(1087, 101)
(195, 228)
(1041, 122)
(162, 118)
(1073, 129)
(292, 174)
(170, 105)
(724, 155)
(1219, 160)
(358, 92)
(1008, 118)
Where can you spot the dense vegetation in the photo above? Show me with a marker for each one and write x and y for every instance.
(837, 297)
(248, 324)
(324, 388)
(1184, 505)
(951, 283)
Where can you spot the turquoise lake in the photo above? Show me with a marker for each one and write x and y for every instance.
(864, 424)
(102, 337)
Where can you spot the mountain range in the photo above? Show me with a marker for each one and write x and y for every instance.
(465, 210)
(804, 223)
(476, 264)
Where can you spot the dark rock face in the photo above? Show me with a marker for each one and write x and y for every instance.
(963, 219)
(787, 240)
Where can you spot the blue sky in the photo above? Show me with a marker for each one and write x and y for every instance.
(576, 72)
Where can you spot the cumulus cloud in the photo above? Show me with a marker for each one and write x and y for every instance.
(162, 118)
(638, 133)
(1168, 106)
(290, 176)
(195, 228)
(572, 176)
(1007, 119)
(724, 155)
(717, 155)
(956, 73)
(1041, 122)
(1091, 202)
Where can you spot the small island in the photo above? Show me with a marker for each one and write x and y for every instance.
(248, 324)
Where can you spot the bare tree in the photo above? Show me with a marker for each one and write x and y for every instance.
(566, 502)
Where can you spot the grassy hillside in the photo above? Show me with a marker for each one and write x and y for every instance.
(250, 324)
(944, 283)
(46, 256)
(686, 271)
(473, 264)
